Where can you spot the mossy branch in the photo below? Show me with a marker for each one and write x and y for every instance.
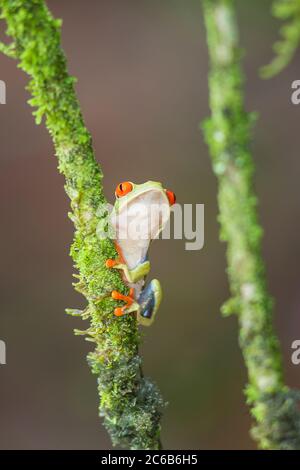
(130, 403)
(289, 12)
(228, 134)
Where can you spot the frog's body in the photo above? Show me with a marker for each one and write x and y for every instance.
(139, 215)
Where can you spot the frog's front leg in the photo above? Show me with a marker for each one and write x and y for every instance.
(149, 301)
(132, 275)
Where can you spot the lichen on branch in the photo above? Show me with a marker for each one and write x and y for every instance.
(130, 403)
(228, 135)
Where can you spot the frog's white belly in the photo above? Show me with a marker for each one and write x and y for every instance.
(134, 252)
(139, 222)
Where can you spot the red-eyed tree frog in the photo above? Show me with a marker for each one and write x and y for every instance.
(140, 213)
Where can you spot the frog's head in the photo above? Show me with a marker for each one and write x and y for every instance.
(147, 206)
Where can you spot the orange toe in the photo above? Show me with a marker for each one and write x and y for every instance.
(119, 312)
(110, 263)
(116, 295)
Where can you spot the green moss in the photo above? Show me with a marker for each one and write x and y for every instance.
(130, 404)
(228, 135)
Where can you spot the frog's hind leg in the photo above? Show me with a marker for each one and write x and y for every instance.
(149, 301)
(130, 305)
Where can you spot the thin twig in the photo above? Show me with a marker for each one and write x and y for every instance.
(285, 49)
(228, 134)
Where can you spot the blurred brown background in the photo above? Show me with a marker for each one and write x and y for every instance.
(142, 83)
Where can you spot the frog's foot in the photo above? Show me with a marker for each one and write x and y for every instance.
(111, 263)
(149, 302)
(131, 275)
(130, 305)
(118, 262)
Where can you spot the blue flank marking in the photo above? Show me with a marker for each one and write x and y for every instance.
(147, 301)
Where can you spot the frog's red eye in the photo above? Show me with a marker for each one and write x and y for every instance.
(123, 188)
(171, 197)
